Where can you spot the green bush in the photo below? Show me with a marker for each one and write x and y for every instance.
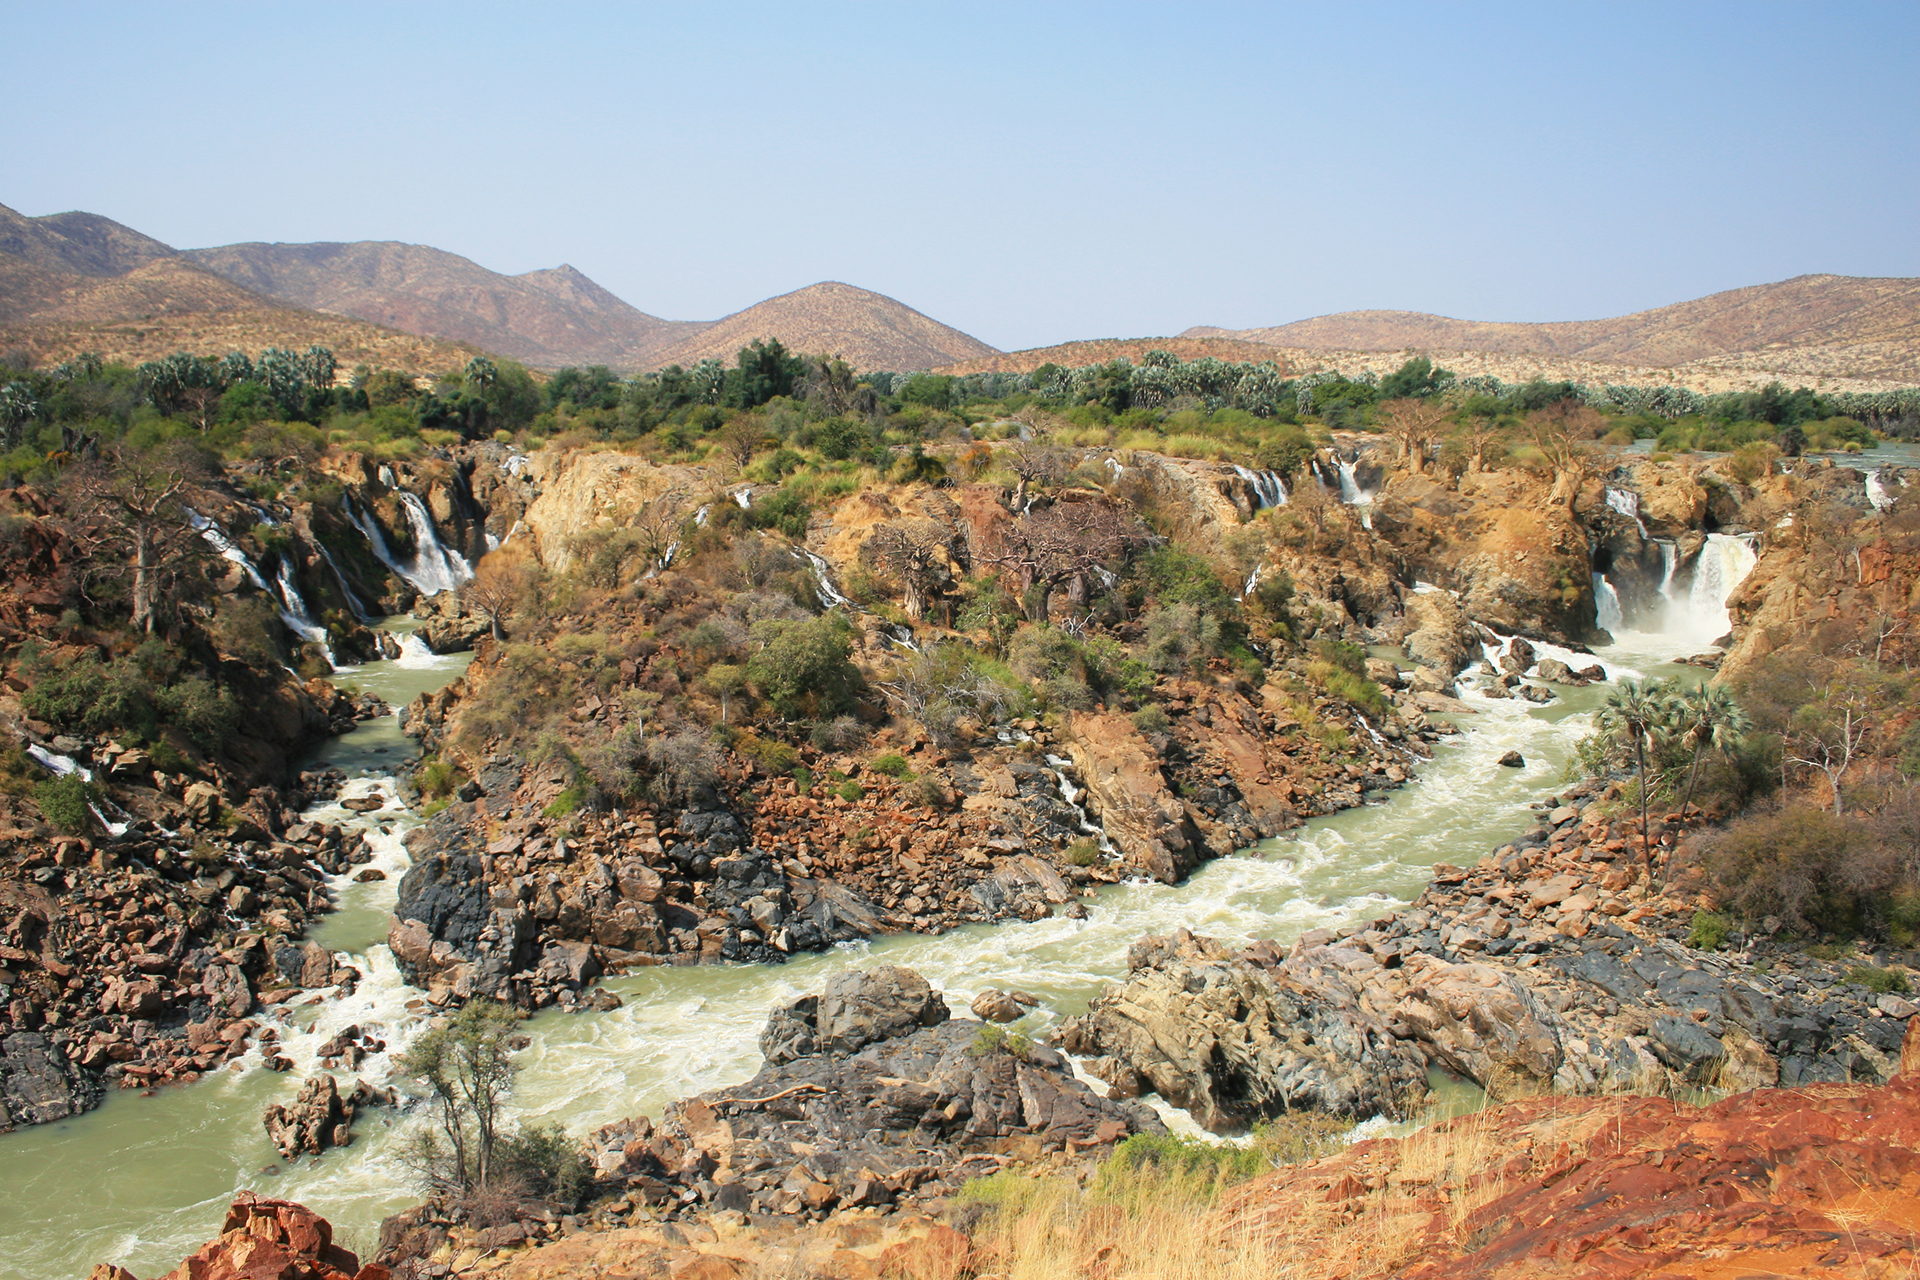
(803, 779)
(993, 1038)
(893, 764)
(568, 801)
(1151, 719)
(850, 791)
(548, 1163)
(66, 802)
(1083, 853)
(1879, 981)
(1709, 931)
(803, 668)
(1357, 692)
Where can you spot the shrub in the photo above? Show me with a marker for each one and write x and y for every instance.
(1083, 853)
(802, 666)
(1879, 981)
(850, 791)
(437, 779)
(893, 764)
(1151, 719)
(1709, 931)
(1810, 867)
(66, 802)
(803, 779)
(993, 1038)
(1356, 691)
(568, 801)
(547, 1163)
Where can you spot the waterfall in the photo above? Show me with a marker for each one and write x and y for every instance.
(353, 598)
(1353, 495)
(745, 498)
(1879, 496)
(1627, 503)
(294, 611)
(1700, 615)
(435, 568)
(217, 538)
(823, 577)
(1075, 797)
(1606, 604)
(1268, 489)
(1253, 580)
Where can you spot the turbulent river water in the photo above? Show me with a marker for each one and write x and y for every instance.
(143, 1180)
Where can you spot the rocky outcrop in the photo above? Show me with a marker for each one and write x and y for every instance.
(265, 1239)
(1775, 1182)
(1233, 1043)
(319, 1118)
(1126, 791)
(871, 1096)
(39, 1083)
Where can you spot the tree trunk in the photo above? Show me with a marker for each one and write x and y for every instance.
(142, 581)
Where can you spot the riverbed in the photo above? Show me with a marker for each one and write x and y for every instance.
(144, 1180)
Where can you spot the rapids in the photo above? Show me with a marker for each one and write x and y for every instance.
(144, 1180)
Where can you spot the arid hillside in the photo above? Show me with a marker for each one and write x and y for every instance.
(868, 330)
(169, 305)
(1808, 327)
(76, 243)
(544, 318)
(1101, 350)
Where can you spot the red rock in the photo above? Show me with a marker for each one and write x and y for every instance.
(267, 1240)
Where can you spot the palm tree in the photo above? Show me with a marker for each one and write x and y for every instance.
(1709, 718)
(1637, 713)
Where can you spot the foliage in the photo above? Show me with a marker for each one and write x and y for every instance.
(893, 764)
(546, 1163)
(1879, 981)
(802, 666)
(67, 802)
(141, 693)
(466, 1063)
(1709, 931)
(993, 1038)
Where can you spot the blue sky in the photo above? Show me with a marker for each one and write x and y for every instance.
(1030, 173)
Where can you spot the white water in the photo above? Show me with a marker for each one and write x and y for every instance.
(1352, 494)
(823, 578)
(294, 612)
(1723, 563)
(217, 538)
(435, 568)
(1627, 503)
(1268, 488)
(144, 1180)
(1879, 496)
(353, 598)
(1606, 604)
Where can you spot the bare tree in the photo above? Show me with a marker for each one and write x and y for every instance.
(917, 553)
(1565, 432)
(741, 439)
(1412, 424)
(1038, 466)
(1066, 543)
(1827, 733)
(1481, 433)
(658, 521)
(131, 521)
(502, 582)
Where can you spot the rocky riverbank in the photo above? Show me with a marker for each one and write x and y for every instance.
(1551, 965)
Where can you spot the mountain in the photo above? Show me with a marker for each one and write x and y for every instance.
(1846, 326)
(1102, 350)
(84, 244)
(545, 318)
(868, 330)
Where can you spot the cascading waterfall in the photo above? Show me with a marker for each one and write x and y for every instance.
(823, 578)
(435, 568)
(1268, 488)
(1352, 494)
(1606, 604)
(217, 538)
(1879, 496)
(294, 611)
(1723, 563)
(1627, 503)
(1076, 800)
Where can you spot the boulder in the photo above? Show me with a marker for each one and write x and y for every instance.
(864, 1005)
(38, 1084)
(1129, 795)
(1483, 1024)
(1512, 760)
(1442, 636)
(317, 1119)
(994, 1005)
(264, 1239)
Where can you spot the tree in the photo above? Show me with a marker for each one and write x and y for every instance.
(1707, 717)
(1828, 731)
(501, 582)
(1636, 713)
(132, 521)
(1064, 543)
(18, 407)
(1412, 424)
(1565, 432)
(1481, 432)
(1037, 465)
(724, 680)
(740, 439)
(802, 666)
(467, 1064)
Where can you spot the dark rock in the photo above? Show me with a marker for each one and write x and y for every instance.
(1512, 760)
(38, 1084)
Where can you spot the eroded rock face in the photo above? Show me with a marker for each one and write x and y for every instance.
(1234, 1042)
(320, 1118)
(1776, 1182)
(870, 1091)
(39, 1084)
(1126, 789)
(266, 1239)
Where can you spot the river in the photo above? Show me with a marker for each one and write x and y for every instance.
(143, 1180)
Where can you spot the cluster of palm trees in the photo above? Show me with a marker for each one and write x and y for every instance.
(1667, 721)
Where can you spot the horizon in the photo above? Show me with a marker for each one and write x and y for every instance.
(933, 174)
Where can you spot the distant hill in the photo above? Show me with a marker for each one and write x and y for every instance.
(84, 244)
(545, 318)
(866, 329)
(1818, 325)
(1101, 350)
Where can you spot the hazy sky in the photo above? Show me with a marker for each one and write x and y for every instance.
(1029, 173)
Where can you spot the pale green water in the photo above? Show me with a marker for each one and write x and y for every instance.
(143, 1180)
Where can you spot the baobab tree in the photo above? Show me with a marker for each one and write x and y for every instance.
(131, 521)
(1566, 433)
(1412, 424)
(1063, 544)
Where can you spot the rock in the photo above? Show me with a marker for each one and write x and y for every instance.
(38, 1084)
(1483, 1024)
(1128, 793)
(1443, 637)
(1558, 672)
(1896, 1006)
(861, 1006)
(369, 875)
(317, 1119)
(994, 1005)
(1233, 1043)
(1512, 760)
(1432, 680)
(264, 1239)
